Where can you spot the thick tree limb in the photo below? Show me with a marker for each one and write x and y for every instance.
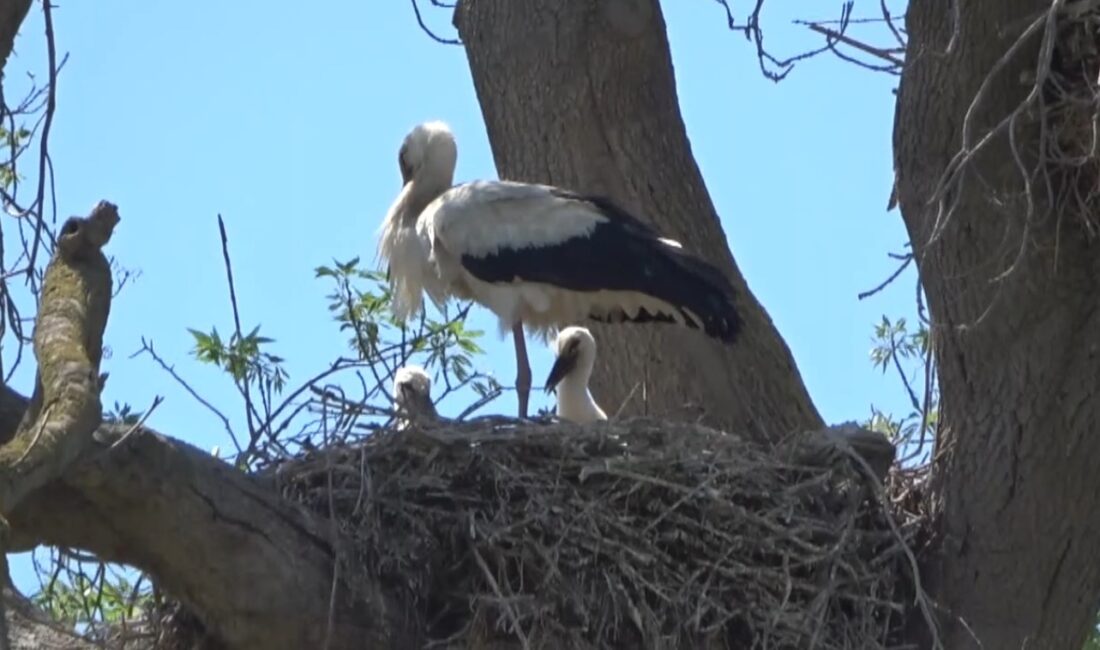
(30, 629)
(68, 343)
(257, 570)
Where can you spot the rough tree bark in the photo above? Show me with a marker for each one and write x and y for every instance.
(583, 95)
(1016, 485)
(12, 13)
(29, 628)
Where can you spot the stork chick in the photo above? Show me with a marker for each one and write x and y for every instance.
(575, 350)
(412, 396)
(537, 256)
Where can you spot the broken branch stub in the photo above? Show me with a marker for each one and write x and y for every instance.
(68, 344)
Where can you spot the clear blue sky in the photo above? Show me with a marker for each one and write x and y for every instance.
(287, 122)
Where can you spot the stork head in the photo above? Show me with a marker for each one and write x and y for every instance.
(429, 151)
(575, 350)
(409, 382)
(412, 392)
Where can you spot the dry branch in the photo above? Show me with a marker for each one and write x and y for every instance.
(68, 343)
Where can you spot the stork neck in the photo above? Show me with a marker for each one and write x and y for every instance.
(419, 195)
(575, 402)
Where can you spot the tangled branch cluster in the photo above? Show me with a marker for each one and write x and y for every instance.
(1070, 95)
(1052, 132)
(635, 534)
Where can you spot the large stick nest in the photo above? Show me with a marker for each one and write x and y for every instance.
(640, 534)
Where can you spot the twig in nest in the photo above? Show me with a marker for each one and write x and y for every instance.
(516, 627)
(626, 400)
(920, 597)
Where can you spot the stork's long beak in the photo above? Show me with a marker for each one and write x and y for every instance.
(425, 407)
(563, 365)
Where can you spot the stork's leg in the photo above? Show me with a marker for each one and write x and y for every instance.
(523, 369)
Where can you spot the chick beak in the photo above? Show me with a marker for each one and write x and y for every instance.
(407, 396)
(427, 408)
(563, 365)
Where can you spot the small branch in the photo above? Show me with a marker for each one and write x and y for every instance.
(147, 348)
(838, 37)
(44, 141)
(428, 30)
(479, 403)
(907, 259)
(246, 391)
(894, 355)
(137, 425)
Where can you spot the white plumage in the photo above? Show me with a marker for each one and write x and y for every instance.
(575, 356)
(412, 396)
(536, 255)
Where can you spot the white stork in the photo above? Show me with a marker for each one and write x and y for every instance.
(536, 255)
(412, 396)
(575, 352)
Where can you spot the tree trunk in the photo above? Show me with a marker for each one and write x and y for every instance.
(1015, 483)
(583, 95)
(12, 13)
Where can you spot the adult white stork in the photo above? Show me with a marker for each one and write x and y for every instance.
(575, 356)
(412, 396)
(537, 255)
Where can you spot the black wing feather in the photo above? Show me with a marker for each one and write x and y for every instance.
(621, 254)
